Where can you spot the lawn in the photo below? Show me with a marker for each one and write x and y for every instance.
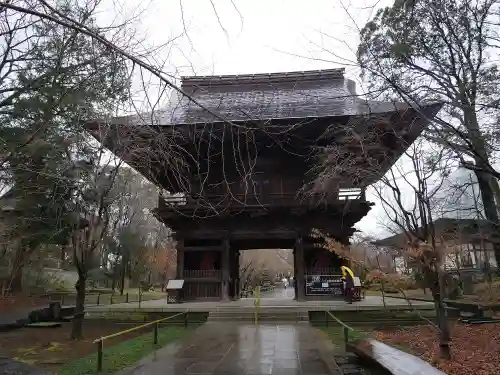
(336, 334)
(123, 354)
(53, 350)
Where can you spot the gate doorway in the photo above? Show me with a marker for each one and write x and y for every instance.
(271, 269)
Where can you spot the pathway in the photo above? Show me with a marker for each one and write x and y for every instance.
(280, 293)
(229, 349)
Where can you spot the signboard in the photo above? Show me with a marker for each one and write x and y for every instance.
(175, 284)
(357, 282)
(324, 285)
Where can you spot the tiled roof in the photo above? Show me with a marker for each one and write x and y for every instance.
(469, 230)
(309, 94)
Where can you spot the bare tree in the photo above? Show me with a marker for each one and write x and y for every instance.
(441, 50)
(91, 207)
(406, 196)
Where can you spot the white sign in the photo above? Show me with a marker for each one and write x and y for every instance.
(175, 284)
(324, 285)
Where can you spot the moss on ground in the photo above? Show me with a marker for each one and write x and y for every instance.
(123, 354)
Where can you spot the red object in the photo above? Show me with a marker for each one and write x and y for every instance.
(208, 260)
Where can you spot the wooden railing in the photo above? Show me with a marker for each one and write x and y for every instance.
(202, 290)
(182, 201)
(202, 273)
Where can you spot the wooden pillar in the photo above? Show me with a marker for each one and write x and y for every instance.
(238, 281)
(299, 261)
(180, 258)
(295, 274)
(235, 270)
(225, 265)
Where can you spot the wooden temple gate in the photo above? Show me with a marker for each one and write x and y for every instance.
(251, 149)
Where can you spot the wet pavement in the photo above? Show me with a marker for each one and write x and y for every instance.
(280, 293)
(227, 349)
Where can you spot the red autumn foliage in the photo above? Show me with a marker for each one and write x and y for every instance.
(475, 348)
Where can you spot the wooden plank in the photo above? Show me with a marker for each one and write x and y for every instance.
(202, 248)
(395, 361)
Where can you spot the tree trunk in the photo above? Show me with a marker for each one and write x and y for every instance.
(122, 285)
(14, 282)
(490, 209)
(62, 255)
(496, 191)
(444, 329)
(77, 329)
(113, 284)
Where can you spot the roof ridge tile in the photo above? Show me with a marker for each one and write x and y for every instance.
(188, 81)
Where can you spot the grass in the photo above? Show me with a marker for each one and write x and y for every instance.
(336, 334)
(123, 354)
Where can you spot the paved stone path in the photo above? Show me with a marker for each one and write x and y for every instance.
(231, 349)
(280, 293)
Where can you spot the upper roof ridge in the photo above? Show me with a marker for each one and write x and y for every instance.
(279, 77)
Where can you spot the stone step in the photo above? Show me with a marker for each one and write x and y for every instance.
(260, 320)
(264, 317)
(240, 313)
(285, 316)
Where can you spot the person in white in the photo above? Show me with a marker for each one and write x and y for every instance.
(285, 282)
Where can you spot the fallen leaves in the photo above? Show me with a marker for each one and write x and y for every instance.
(475, 348)
(20, 302)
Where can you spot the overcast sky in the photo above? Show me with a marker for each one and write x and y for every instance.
(254, 36)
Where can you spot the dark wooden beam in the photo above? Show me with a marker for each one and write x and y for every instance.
(300, 269)
(225, 266)
(180, 258)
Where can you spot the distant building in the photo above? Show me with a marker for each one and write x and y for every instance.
(465, 243)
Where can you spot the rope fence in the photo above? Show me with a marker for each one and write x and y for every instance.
(100, 341)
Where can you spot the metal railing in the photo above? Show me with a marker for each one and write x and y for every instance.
(256, 303)
(155, 324)
(263, 289)
(100, 298)
(345, 328)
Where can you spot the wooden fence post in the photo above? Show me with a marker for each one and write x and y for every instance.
(185, 320)
(98, 297)
(99, 355)
(126, 297)
(346, 335)
(155, 333)
(326, 318)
